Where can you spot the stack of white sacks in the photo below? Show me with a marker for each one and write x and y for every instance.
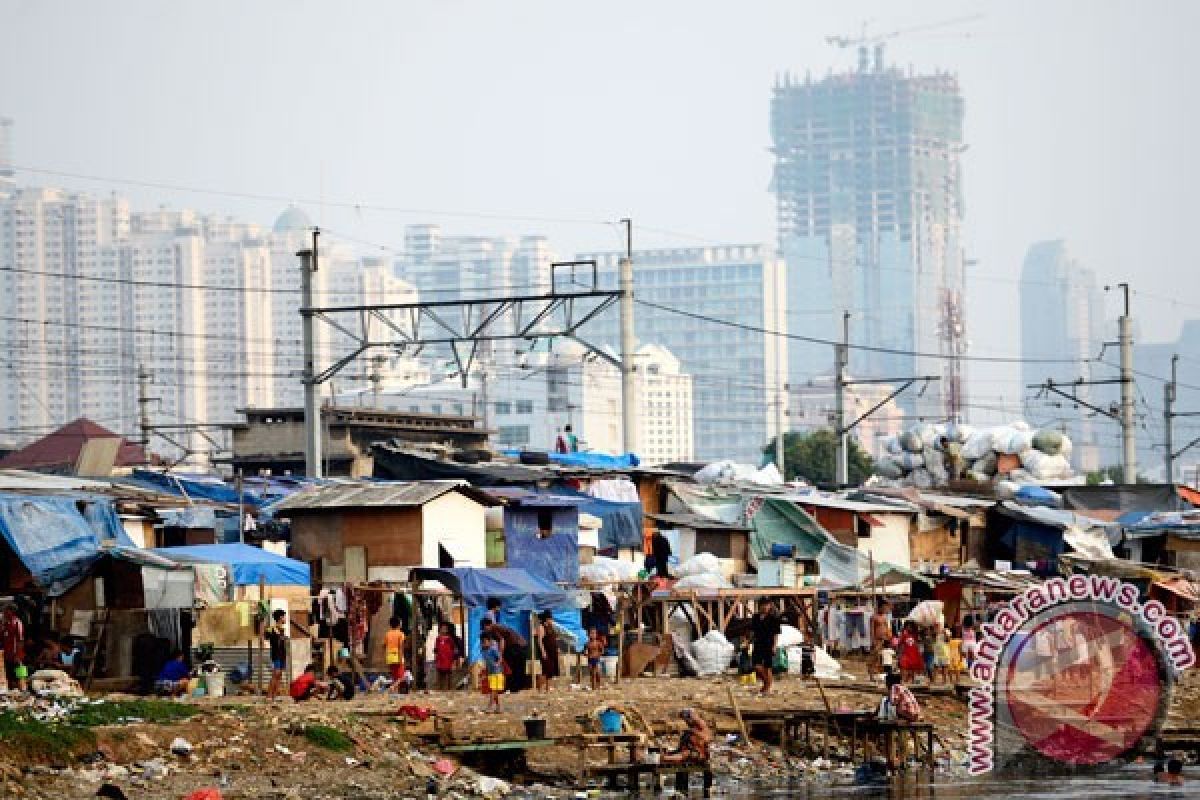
(930, 455)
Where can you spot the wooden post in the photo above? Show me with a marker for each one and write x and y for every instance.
(620, 637)
(737, 712)
(415, 634)
(262, 599)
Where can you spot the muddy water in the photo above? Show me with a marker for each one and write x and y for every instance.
(1128, 782)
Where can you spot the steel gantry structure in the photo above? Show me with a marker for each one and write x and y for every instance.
(462, 325)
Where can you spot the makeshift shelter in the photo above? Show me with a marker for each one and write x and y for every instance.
(1032, 535)
(376, 531)
(53, 541)
(691, 534)
(1170, 538)
(520, 593)
(541, 533)
(248, 565)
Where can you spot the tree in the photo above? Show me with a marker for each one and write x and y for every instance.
(1114, 474)
(811, 456)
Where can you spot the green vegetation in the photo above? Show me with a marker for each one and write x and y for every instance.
(23, 738)
(810, 455)
(157, 711)
(329, 738)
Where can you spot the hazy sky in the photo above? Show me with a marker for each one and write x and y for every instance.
(1081, 120)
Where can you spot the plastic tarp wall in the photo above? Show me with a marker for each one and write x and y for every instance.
(775, 520)
(554, 557)
(622, 521)
(519, 593)
(246, 563)
(55, 541)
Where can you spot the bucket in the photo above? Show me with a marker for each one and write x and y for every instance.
(535, 728)
(609, 665)
(610, 721)
(214, 682)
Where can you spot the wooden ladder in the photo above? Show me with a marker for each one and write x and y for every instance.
(93, 649)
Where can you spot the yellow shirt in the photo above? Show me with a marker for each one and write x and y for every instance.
(393, 643)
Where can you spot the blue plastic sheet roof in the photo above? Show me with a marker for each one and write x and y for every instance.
(246, 563)
(515, 588)
(58, 538)
(622, 521)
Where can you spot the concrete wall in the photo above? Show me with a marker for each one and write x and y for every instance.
(891, 542)
(457, 522)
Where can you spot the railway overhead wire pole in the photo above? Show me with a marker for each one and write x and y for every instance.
(461, 325)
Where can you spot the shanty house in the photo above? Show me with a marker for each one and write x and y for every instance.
(378, 531)
(692, 533)
(540, 533)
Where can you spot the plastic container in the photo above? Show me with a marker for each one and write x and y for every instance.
(608, 665)
(214, 682)
(782, 550)
(535, 728)
(610, 721)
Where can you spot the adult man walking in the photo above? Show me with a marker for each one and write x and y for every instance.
(765, 626)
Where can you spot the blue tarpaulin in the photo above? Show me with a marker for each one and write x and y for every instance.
(554, 557)
(622, 521)
(58, 538)
(520, 594)
(588, 460)
(246, 563)
(197, 487)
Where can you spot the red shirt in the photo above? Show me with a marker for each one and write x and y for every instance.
(303, 685)
(12, 639)
(444, 652)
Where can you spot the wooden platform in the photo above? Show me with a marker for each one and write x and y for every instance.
(632, 773)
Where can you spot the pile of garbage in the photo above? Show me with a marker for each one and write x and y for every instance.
(929, 455)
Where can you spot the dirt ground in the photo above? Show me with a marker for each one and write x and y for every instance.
(249, 748)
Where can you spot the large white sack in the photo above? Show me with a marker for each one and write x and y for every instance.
(597, 573)
(712, 652)
(910, 461)
(977, 445)
(825, 666)
(789, 636)
(679, 626)
(927, 432)
(699, 564)
(892, 445)
(624, 570)
(768, 476)
(928, 613)
(935, 465)
(959, 432)
(1010, 440)
(985, 465)
(704, 580)
(1045, 467)
(911, 442)
(921, 478)
(888, 468)
(1007, 490)
(1049, 441)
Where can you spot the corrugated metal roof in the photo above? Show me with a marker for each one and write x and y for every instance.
(844, 504)
(375, 495)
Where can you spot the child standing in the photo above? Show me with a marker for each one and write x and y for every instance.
(445, 656)
(887, 658)
(594, 650)
(493, 679)
(393, 645)
(941, 656)
(745, 662)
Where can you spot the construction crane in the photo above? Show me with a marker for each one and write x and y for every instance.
(863, 40)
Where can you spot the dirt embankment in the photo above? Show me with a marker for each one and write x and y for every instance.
(253, 749)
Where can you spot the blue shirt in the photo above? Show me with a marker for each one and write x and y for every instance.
(173, 670)
(491, 658)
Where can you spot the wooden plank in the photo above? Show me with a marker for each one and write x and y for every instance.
(737, 712)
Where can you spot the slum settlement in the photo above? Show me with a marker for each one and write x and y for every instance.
(568, 619)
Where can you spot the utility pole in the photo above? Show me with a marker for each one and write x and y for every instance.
(1169, 395)
(312, 408)
(841, 359)
(628, 343)
(780, 428)
(1128, 431)
(144, 400)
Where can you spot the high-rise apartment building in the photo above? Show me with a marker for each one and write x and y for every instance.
(869, 207)
(471, 267)
(7, 182)
(737, 370)
(1062, 317)
(63, 323)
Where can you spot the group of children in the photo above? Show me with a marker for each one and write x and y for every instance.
(933, 652)
(493, 681)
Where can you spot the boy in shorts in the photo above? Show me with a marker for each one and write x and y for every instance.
(493, 678)
(594, 650)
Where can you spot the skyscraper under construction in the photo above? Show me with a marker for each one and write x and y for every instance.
(868, 188)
